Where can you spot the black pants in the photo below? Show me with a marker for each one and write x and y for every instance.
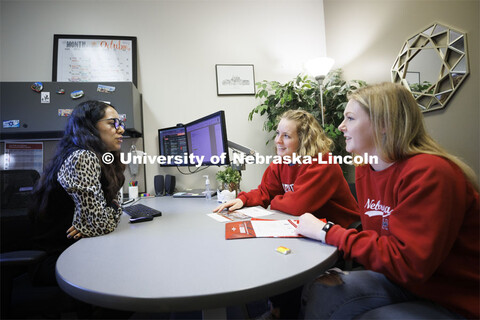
(288, 303)
(43, 273)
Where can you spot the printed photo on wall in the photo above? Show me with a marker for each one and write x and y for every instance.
(235, 79)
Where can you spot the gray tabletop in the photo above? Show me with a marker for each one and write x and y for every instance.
(182, 262)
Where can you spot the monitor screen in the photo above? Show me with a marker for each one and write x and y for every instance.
(173, 146)
(207, 140)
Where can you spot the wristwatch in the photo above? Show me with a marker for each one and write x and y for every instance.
(326, 227)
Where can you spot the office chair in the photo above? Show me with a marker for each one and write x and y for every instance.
(15, 191)
(16, 229)
(20, 298)
(16, 187)
(12, 265)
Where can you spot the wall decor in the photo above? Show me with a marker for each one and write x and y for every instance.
(413, 77)
(235, 79)
(91, 58)
(439, 55)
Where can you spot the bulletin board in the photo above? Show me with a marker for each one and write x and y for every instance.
(90, 58)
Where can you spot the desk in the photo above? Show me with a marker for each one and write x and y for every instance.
(182, 262)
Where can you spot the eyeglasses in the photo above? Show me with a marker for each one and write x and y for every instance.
(116, 122)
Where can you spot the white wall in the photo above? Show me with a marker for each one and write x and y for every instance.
(365, 36)
(179, 43)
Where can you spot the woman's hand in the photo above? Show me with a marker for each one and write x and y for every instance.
(72, 232)
(232, 205)
(309, 226)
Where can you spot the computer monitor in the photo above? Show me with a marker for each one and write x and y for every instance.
(207, 138)
(172, 144)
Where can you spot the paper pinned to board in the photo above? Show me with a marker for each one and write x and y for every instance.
(23, 155)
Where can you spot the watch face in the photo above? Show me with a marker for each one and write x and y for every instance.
(327, 226)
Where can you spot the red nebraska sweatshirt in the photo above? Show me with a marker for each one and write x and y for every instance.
(319, 189)
(421, 228)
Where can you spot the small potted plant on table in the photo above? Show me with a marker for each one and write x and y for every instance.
(229, 187)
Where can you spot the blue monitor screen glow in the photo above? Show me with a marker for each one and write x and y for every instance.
(173, 143)
(207, 138)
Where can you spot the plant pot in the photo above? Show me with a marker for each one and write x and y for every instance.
(227, 191)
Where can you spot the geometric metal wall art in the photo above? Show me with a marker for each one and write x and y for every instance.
(432, 64)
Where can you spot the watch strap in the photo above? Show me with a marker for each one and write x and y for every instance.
(325, 229)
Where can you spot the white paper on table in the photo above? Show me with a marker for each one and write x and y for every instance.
(226, 216)
(218, 217)
(255, 212)
(273, 228)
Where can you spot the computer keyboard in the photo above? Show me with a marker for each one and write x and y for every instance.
(139, 212)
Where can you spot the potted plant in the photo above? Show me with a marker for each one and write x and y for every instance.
(304, 93)
(229, 183)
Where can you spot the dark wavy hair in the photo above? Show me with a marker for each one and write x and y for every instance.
(80, 133)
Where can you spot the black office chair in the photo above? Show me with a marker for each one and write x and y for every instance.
(20, 298)
(16, 255)
(15, 192)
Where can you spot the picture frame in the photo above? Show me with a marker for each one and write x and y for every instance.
(235, 79)
(94, 58)
(412, 77)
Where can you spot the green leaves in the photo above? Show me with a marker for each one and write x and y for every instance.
(421, 87)
(304, 93)
(229, 175)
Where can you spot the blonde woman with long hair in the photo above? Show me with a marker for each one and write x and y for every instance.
(419, 208)
(298, 188)
(319, 188)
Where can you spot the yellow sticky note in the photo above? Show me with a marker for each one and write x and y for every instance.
(283, 250)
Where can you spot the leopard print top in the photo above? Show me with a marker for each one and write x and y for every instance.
(80, 177)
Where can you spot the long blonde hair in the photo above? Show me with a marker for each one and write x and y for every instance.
(312, 138)
(398, 125)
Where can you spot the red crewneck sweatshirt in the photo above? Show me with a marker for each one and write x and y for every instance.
(319, 189)
(421, 228)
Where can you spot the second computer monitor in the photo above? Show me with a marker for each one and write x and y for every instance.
(207, 138)
(173, 146)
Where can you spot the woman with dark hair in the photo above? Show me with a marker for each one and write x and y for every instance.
(79, 195)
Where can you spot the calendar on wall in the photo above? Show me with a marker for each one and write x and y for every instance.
(80, 58)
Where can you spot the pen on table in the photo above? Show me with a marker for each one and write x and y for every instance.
(222, 215)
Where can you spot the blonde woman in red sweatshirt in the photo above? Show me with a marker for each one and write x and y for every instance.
(318, 188)
(420, 214)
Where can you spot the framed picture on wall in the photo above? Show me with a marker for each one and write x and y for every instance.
(90, 58)
(235, 79)
(412, 77)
